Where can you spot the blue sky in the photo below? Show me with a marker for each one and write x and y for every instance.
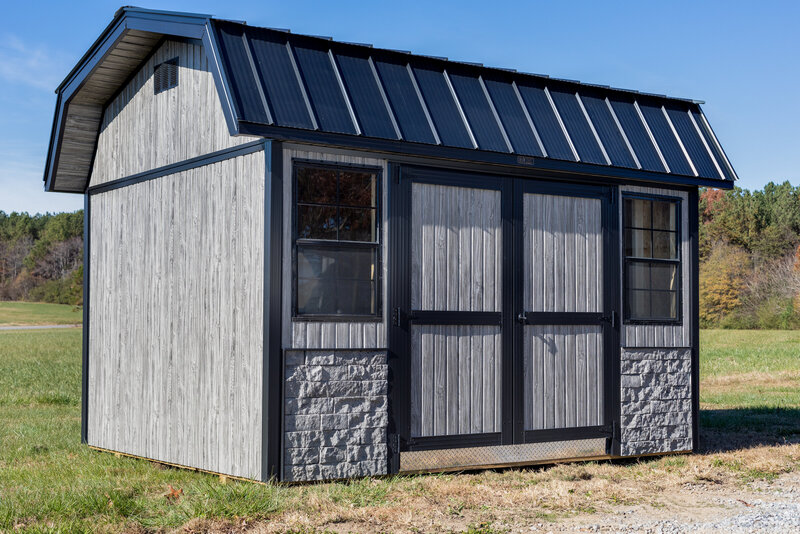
(743, 59)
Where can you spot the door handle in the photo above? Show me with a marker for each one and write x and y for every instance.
(522, 317)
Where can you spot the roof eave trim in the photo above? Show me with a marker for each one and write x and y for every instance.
(193, 26)
(405, 148)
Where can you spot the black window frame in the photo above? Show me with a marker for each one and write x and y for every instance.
(678, 261)
(377, 245)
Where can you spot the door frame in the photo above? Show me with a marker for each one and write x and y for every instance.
(400, 178)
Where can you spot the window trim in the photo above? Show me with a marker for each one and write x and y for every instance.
(626, 260)
(377, 245)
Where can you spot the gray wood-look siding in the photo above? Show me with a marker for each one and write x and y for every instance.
(456, 380)
(85, 111)
(141, 131)
(456, 248)
(663, 335)
(328, 335)
(563, 253)
(176, 301)
(563, 376)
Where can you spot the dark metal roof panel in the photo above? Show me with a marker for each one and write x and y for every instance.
(444, 110)
(692, 142)
(478, 111)
(637, 135)
(666, 140)
(716, 149)
(609, 132)
(277, 74)
(578, 128)
(324, 90)
(546, 122)
(365, 95)
(242, 80)
(514, 119)
(405, 102)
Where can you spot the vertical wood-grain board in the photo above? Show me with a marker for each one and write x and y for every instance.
(563, 254)
(176, 325)
(141, 131)
(455, 380)
(456, 248)
(329, 335)
(563, 369)
(666, 335)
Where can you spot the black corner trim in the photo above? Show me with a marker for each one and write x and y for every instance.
(185, 165)
(272, 363)
(85, 345)
(694, 292)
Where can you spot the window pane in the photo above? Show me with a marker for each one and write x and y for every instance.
(665, 304)
(664, 213)
(316, 222)
(637, 213)
(637, 243)
(639, 304)
(665, 245)
(357, 189)
(664, 276)
(357, 224)
(639, 275)
(336, 281)
(316, 186)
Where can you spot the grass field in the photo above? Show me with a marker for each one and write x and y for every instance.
(49, 482)
(38, 313)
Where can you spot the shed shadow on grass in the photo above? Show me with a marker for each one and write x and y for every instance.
(726, 430)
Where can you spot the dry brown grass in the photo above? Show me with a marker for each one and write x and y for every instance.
(508, 499)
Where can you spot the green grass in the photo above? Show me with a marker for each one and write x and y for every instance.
(50, 482)
(38, 313)
(750, 368)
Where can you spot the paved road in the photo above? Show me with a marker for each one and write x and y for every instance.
(39, 327)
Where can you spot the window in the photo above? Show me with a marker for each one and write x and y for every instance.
(337, 242)
(652, 259)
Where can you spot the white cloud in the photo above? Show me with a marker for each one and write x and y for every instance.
(33, 66)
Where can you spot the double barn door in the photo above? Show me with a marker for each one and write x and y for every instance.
(502, 310)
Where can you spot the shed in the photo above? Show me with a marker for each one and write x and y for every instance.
(308, 259)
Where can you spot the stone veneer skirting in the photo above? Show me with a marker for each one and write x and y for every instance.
(335, 414)
(656, 395)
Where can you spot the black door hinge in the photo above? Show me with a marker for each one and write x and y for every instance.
(396, 317)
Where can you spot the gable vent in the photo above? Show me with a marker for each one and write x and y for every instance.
(165, 76)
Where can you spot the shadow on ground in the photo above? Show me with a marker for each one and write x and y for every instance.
(741, 428)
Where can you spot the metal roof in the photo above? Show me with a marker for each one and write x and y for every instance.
(281, 85)
(282, 79)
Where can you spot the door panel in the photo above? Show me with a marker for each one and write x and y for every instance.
(455, 380)
(562, 253)
(456, 248)
(564, 325)
(456, 278)
(563, 376)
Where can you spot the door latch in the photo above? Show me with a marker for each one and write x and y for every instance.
(522, 317)
(612, 319)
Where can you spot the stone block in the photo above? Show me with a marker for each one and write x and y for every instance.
(302, 422)
(304, 438)
(309, 406)
(350, 388)
(294, 357)
(319, 357)
(334, 421)
(301, 456)
(332, 455)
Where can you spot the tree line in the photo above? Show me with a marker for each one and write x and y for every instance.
(750, 258)
(41, 257)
